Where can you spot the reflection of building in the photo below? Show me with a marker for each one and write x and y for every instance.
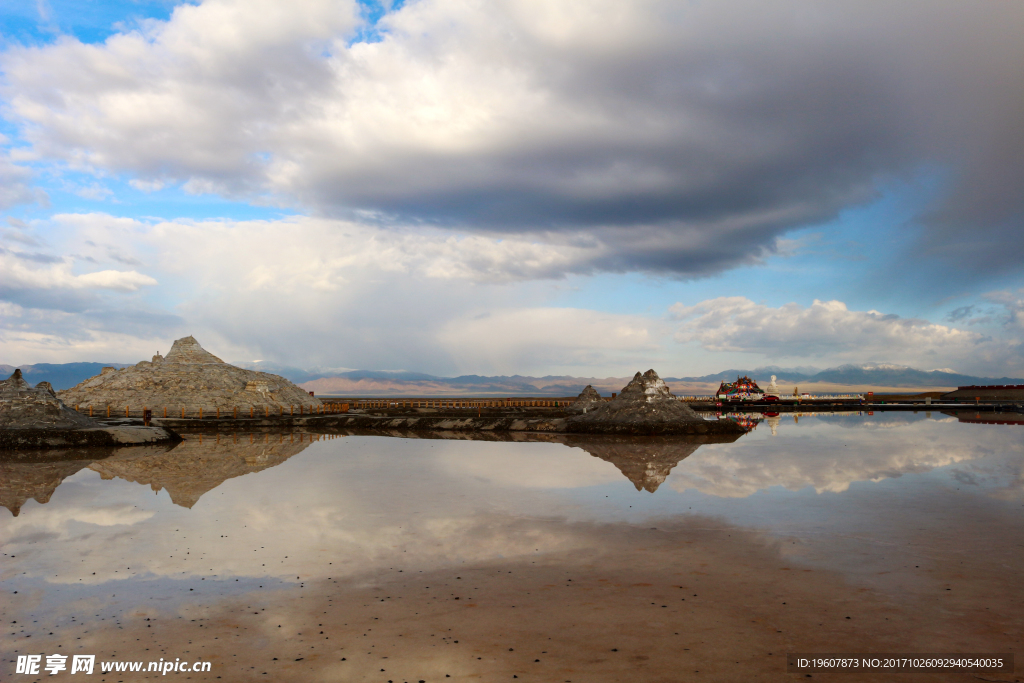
(748, 421)
(773, 422)
(647, 460)
(743, 389)
(986, 418)
(201, 463)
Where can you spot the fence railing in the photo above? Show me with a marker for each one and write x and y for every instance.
(453, 403)
(210, 412)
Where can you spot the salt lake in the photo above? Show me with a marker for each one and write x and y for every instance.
(299, 557)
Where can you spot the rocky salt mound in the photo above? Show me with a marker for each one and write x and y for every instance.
(646, 406)
(34, 418)
(587, 400)
(23, 406)
(189, 377)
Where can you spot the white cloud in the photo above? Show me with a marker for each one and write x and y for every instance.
(16, 273)
(568, 337)
(146, 185)
(299, 289)
(15, 184)
(828, 329)
(685, 138)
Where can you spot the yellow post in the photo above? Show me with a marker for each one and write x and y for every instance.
(218, 412)
(108, 411)
(126, 411)
(90, 411)
(165, 411)
(291, 410)
(251, 408)
(183, 412)
(200, 412)
(236, 412)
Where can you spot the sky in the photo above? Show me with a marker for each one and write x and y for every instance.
(583, 187)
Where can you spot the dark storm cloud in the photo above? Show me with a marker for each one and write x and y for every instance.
(686, 137)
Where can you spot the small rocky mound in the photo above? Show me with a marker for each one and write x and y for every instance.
(587, 400)
(189, 377)
(646, 406)
(25, 407)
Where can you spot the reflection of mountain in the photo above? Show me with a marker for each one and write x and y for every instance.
(201, 463)
(645, 460)
(37, 475)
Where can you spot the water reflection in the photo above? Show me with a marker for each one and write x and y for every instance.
(833, 451)
(285, 523)
(201, 463)
(37, 474)
(972, 417)
(645, 461)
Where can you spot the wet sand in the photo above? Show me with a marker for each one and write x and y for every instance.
(688, 600)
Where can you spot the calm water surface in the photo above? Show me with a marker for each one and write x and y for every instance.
(897, 505)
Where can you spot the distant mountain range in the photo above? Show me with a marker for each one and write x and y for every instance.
(881, 374)
(344, 381)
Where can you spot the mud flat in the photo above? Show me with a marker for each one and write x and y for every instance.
(696, 600)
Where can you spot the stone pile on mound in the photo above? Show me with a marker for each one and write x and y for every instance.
(23, 406)
(587, 400)
(646, 406)
(188, 378)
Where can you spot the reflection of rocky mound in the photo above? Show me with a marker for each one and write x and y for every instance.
(20, 481)
(587, 400)
(646, 461)
(646, 406)
(25, 407)
(189, 377)
(37, 474)
(202, 463)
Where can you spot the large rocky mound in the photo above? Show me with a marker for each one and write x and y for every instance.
(587, 400)
(190, 377)
(646, 406)
(23, 406)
